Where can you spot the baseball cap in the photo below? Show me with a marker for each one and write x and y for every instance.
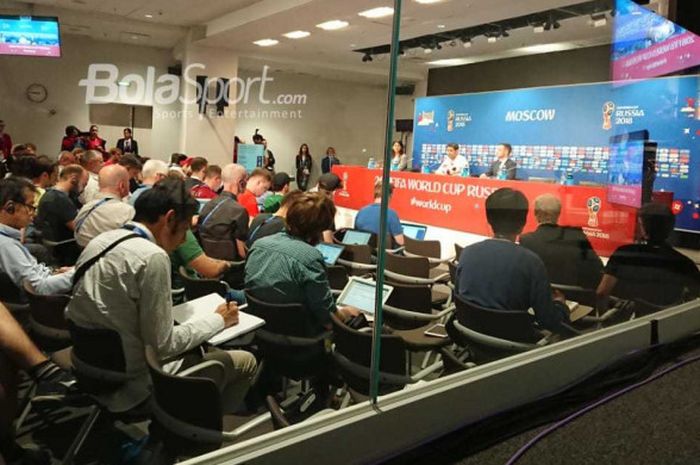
(279, 180)
(330, 182)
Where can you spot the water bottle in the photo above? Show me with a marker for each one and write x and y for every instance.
(465, 171)
(425, 169)
(562, 178)
(371, 164)
(502, 172)
(570, 179)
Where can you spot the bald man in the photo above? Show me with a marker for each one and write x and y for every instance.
(565, 250)
(108, 211)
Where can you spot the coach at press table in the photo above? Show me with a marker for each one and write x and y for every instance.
(503, 167)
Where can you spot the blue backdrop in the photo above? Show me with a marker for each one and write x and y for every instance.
(567, 129)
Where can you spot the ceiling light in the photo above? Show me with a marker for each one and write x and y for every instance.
(538, 28)
(492, 39)
(333, 25)
(451, 62)
(556, 25)
(366, 57)
(297, 34)
(427, 50)
(379, 12)
(547, 48)
(266, 42)
(453, 43)
(148, 15)
(599, 20)
(441, 26)
(427, 2)
(466, 43)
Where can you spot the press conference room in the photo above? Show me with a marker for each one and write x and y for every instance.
(396, 232)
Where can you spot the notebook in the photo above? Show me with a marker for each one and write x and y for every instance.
(414, 231)
(356, 237)
(331, 252)
(208, 304)
(359, 293)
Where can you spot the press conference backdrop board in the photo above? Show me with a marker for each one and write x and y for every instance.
(566, 129)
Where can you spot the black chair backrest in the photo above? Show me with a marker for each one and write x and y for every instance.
(101, 349)
(512, 325)
(222, 250)
(356, 346)
(452, 268)
(423, 248)
(287, 341)
(357, 254)
(412, 297)
(418, 267)
(458, 251)
(192, 400)
(9, 293)
(196, 288)
(48, 310)
(337, 276)
(235, 276)
(577, 294)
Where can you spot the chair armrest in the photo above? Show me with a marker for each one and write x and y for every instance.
(413, 279)
(206, 365)
(410, 315)
(49, 243)
(426, 371)
(357, 266)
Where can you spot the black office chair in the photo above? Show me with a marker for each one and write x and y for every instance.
(458, 251)
(337, 278)
(195, 427)
(13, 298)
(417, 270)
(492, 334)
(196, 287)
(64, 253)
(429, 249)
(578, 294)
(410, 306)
(47, 319)
(222, 250)
(291, 347)
(352, 353)
(357, 259)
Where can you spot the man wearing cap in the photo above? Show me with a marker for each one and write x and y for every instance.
(280, 187)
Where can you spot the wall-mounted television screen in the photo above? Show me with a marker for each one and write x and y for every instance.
(30, 36)
(626, 168)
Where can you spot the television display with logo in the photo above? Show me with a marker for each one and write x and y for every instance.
(626, 168)
(36, 36)
(646, 44)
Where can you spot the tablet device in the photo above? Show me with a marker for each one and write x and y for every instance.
(330, 252)
(356, 237)
(359, 293)
(414, 231)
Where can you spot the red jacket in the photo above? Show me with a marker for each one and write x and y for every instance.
(5, 145)
(203, 191)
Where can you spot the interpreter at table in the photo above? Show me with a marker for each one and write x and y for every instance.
(454, 163)
(503, 167)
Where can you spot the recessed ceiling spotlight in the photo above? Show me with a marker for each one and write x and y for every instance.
(427, 50)
(148, 15)
(297, 34)
(441, 26)
(427, 2)
(379, 12)
(333, 25)
(266, 42)
(492, 39)
(538, 28)
(466, 43)
(599, 20)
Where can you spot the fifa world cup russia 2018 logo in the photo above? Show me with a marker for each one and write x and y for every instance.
(608, 109)
(593, 205)
(344, 190)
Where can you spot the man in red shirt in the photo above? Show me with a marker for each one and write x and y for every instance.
(258, 183)
(211, 186)
(5, 141)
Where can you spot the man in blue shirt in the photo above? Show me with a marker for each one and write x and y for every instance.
(499, 274)
(368, 218)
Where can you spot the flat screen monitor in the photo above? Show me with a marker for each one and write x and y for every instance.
(330, 252)
(414, 231)
(356, 237)
(645, 44)
(626, 168)
(30, 36)
(360, 293)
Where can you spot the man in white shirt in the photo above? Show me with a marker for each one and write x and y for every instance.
(503, 167)
(107, 211)
(137, 301)
(454, 163)
(92, 161)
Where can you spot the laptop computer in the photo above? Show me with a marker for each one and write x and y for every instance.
(356, 237)
(330, 252)
(359, 293)
(414, 231)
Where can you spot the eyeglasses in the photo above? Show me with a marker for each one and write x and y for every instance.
(30, 207)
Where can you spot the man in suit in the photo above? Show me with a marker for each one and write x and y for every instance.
(502, 164)
(565, 250)
(128, 144)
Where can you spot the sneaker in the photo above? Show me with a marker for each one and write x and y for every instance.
(57, 388)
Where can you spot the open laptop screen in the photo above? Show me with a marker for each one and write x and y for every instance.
(359, 293)
(330, 252)
(356, 237)
(414, 231)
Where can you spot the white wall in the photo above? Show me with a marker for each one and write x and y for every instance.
(32, 122)
(348, 116)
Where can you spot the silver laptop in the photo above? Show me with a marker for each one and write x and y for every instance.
(359, 293)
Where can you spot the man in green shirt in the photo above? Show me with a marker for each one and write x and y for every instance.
(280, 187)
